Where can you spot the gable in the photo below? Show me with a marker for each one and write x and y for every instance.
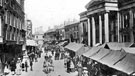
(93, 3)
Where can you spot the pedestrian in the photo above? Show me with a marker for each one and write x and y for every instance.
(31, 64)
(22, 66)
(65, 62)
(13, 67)
(36, 58)
(79, 68)
(85, 71)
(18, 69)
(72, 66)
(68, 65)
(6, 69)
(26, 65)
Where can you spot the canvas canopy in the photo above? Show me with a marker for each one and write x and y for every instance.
(62, 43)
(102, 52)
(31, 43)
(129, 50)
(91, 51)
(127, 64)
(76, 47)
(113, 57)
(116, 45)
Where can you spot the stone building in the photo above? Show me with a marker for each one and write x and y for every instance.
(72, 32)
(12, 31)
(109, 21)
(50, 35)
(39, 36)
(83, 31)
(29, 29)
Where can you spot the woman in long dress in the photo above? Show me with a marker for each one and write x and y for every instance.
(6, 70)
(72, 66)
(18, 68)
(79, 68)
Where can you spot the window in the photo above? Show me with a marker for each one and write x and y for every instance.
(126, 20)
(6, 17)
(126, 24)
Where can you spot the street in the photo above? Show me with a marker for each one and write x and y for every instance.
(38, 67)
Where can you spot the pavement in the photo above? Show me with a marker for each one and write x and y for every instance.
(38, 69)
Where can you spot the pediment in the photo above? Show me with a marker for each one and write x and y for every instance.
(97, 2)
(92, 3)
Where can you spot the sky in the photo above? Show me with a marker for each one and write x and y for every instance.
(48, 13)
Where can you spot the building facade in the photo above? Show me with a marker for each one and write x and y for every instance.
(29, 29)
(12, 31)
(109, 21)
(72, 32)
(50, 35)
(60, 33)
(39, 36)
(83, 31)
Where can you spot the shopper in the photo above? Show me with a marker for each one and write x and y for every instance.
(18, 69)
(26, 65)
(13, 66)
(31, 64)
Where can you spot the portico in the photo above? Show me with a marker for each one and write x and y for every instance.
(103, 21)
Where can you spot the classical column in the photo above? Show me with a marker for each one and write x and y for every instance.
(89, 32)
(131, 25)
(118, 24)
(100, 29)
(93, 31)
(106, 15)
(0, 26)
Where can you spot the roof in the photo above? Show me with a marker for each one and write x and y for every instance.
(132, 45)
(92, 2)
(62, 43)
(116, 45)
(74, 46)
(31, 43)
(113, 57)
(83, 50)
(97, 2)
(126, 65)
(91, 51)
(100, 54)
(129, 50)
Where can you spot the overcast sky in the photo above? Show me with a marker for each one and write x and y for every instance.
(53, 12)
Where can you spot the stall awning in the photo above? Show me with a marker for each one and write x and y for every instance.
(31, 43)
(126, 65)
(132, 45)
(62, 43)
(76, 47)
(113, 57)
(91, 51)
(116, 45)
(129, 50)
(100, 54)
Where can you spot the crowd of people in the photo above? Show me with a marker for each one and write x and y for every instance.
(71, 63)
(18, 65)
